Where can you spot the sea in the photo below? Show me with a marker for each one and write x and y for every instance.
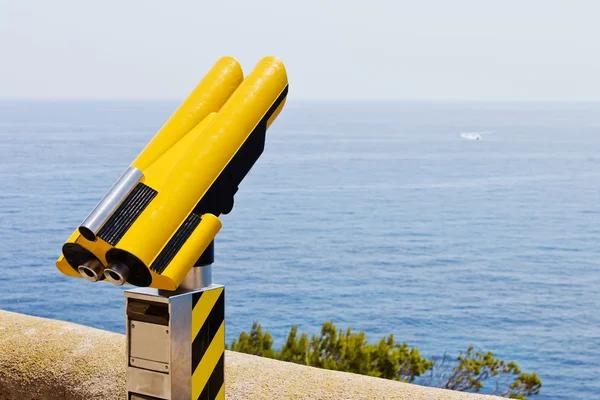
(448, 224)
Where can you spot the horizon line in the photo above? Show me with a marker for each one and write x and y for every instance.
(299, 100)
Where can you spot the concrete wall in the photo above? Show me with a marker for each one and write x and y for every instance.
(42, 359)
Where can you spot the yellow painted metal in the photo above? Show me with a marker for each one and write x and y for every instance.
(158, 172)
(203, 308)
(97, 248)
(221, 394)
(205, 160)
(64, 267)
(197, 111)
(192, 249)
(208, 343)
(62, 264)
(208, 362)
(185, 158)
(208, 97)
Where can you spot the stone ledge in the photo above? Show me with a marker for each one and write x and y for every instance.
(44, 359)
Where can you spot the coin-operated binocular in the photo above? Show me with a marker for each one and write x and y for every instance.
(155, 229)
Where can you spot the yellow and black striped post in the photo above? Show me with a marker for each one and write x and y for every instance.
(176, 344)
(208, 344)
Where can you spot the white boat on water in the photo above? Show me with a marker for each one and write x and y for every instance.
(473, 135)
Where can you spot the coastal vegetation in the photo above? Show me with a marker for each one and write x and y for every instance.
(348, 351)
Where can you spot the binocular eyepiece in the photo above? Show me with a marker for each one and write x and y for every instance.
(117, 274)
(91, 270)
(94, 271)
(161, 215)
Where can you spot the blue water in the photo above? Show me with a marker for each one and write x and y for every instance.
(378, 216)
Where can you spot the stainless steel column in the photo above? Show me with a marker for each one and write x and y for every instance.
(175, 340)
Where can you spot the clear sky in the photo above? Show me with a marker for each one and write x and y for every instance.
(337, 49)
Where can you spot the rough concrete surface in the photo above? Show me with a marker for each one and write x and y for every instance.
(43, 359)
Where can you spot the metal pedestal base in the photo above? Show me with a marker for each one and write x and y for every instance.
(176, 342)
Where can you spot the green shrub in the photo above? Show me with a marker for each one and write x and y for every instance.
(473, 369)
(350, 352)
(257, 342)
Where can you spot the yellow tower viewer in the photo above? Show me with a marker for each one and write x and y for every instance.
(162, 213)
